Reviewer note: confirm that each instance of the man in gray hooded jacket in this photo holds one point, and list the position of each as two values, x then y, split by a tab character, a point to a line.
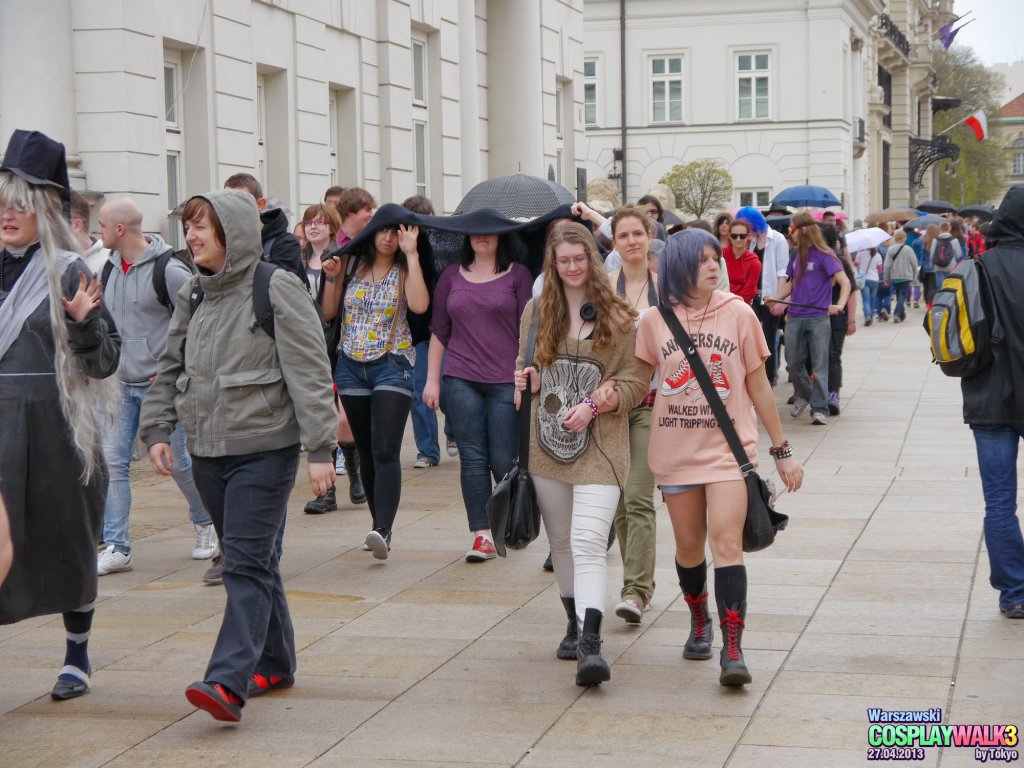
143	321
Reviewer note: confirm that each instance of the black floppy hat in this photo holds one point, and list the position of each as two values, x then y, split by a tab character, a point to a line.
37	159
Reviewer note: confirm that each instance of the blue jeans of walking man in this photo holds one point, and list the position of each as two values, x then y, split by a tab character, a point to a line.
486	426
118	440
997	446
807	339
424	420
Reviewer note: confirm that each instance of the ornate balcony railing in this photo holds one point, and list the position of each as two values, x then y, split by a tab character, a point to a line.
888	28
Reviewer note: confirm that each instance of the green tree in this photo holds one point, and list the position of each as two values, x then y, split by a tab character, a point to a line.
980	172
700	187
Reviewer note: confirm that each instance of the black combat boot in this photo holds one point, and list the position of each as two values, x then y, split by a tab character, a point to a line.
321	504
356	493
698	644
567	648
591	669
734	669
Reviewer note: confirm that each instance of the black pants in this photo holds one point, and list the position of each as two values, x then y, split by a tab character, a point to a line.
378	426
835	351
247	497
771	325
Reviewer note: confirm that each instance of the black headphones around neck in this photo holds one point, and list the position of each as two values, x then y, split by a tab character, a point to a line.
588	313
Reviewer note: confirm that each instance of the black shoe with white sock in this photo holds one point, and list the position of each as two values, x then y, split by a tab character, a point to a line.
73	678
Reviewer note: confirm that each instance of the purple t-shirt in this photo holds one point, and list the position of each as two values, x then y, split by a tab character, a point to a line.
815	286
479	323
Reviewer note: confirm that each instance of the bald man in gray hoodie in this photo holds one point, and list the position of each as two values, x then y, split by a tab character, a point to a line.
143	320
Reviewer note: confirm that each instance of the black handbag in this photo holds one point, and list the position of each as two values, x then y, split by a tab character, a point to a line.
762	521
512	509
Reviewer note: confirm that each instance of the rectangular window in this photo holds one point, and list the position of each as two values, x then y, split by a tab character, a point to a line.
173	185
420	142
885	81
332	135
667	89
590	92
171	95
759	198
752	73
419	71
1018	164
559	95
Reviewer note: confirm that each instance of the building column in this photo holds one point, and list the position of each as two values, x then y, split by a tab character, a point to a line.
469	96
39	42
515	114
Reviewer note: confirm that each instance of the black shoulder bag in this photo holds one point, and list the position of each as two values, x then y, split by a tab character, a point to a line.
763	521
512	509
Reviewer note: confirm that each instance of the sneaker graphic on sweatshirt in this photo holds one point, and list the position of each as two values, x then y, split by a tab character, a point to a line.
718	378
679	380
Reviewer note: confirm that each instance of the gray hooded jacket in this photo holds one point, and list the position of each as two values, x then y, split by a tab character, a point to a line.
235	389
140	317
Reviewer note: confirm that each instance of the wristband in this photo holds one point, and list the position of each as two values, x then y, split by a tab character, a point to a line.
329	279
592	405
783	451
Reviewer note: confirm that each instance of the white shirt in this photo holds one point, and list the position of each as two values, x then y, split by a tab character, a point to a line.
776	261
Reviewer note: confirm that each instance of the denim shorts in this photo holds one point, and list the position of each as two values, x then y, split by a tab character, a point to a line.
390	373
677	488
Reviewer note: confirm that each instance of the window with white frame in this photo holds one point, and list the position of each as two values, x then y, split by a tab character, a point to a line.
261	129
590	92
752	76
419	70
759	198
667	89
420	152
172	88
1018	164
174	140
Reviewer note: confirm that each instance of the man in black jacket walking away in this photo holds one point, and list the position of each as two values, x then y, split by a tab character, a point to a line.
994	405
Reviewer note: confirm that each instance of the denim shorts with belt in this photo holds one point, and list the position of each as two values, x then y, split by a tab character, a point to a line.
388	373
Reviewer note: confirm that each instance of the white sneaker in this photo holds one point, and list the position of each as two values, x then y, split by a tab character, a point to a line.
206	542
112	561
799	406
424	462
339	465
451	447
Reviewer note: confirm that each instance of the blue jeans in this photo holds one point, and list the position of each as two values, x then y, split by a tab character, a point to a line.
486	427
869	298
248	497
118	440
807	339
997	463
901	289
882	300
424	420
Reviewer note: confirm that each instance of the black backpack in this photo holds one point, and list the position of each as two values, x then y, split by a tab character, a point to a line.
159	276
261	305
943	252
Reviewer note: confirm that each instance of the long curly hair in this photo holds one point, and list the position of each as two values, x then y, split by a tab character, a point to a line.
85	402
613	313
808	235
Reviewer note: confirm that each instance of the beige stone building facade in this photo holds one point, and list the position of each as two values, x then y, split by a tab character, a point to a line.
165	99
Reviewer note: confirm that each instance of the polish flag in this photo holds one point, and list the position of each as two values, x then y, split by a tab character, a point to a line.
979	124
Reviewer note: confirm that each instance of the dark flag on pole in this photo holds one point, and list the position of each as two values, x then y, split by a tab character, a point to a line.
947	33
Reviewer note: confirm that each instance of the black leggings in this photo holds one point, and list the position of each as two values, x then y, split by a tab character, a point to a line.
378	426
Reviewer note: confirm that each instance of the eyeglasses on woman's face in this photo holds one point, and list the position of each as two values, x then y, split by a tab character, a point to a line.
738	235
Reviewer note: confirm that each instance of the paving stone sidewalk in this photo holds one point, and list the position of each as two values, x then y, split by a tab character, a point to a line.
876	596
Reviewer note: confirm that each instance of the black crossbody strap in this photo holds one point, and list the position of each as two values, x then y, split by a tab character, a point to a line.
710	394
524	401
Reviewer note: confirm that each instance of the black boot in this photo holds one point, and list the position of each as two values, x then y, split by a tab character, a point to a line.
734	670
356	493
698	644
321	504
591	669
567	648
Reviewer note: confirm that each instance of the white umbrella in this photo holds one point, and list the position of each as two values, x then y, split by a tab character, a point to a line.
862	239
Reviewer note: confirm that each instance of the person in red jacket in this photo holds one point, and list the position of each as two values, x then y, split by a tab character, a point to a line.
744	266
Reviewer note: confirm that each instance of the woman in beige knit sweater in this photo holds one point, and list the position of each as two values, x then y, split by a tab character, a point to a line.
586	379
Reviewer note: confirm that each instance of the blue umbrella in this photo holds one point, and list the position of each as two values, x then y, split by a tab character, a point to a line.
805	196
922	222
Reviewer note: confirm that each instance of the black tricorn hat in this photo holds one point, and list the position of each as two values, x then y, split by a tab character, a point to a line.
37	159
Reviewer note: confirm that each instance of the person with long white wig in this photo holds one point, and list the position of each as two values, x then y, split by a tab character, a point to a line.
58	348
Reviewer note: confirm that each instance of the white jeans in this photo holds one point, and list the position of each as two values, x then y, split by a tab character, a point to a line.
577	519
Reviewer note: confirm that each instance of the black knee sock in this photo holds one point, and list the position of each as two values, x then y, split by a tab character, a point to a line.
731	585
693	581
78	624
390	412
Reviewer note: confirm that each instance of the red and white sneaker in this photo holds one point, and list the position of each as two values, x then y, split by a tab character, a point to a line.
679	380
483	549
718	377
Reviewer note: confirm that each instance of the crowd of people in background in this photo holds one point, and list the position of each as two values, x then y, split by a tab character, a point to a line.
260	340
